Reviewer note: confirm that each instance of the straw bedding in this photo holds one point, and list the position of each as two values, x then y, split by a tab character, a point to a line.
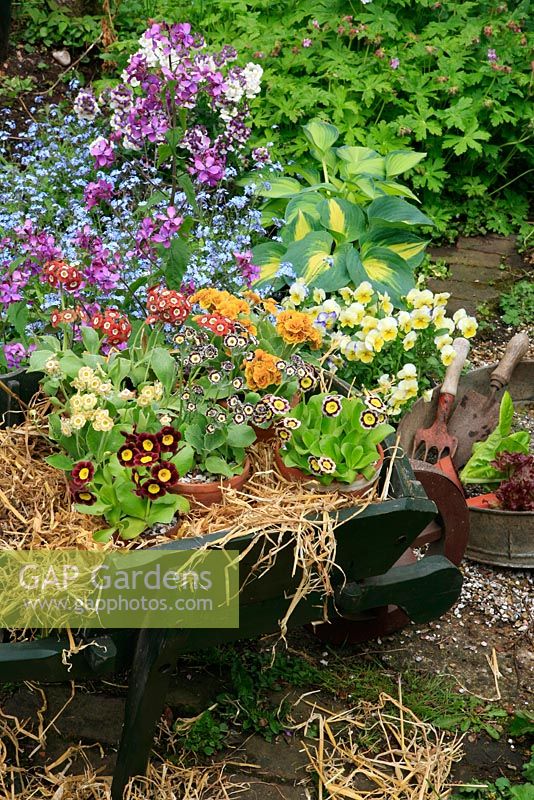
36	512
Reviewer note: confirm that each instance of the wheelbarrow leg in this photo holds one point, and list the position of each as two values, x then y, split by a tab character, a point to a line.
154	660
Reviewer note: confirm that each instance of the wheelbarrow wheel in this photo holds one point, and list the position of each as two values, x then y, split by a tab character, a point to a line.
446	535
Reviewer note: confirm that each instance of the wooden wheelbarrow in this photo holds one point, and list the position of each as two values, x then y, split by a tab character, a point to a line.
371	549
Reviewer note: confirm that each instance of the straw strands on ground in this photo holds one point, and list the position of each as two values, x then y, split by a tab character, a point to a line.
411	759
73	776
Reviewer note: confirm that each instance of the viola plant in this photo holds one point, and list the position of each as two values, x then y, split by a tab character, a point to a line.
334	438
369	343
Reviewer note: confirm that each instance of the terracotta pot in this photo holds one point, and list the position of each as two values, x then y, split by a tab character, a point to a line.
358	488
484	501
207	494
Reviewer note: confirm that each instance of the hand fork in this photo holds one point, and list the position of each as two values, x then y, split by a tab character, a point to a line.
437	436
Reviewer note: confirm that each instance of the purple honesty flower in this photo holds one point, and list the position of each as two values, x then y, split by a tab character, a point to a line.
492	55
102	150
94	192
85	105
208	167
307	42
249	270
171	225
15	353
394	63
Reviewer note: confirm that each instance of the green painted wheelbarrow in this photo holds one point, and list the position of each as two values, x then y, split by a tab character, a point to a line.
383	580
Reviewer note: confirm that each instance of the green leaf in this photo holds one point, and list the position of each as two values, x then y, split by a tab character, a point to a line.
240	435
104	534
217	466
175	260
163	366
362	161
478	469
310	256
399	161
18	315
184	459
394	209
60	461
522	723
268	257
343	218
299	227
307	202
91	340
282	186
388	272
320	134
130	528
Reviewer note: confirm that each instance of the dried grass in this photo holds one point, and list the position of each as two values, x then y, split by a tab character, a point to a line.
412	760
164	780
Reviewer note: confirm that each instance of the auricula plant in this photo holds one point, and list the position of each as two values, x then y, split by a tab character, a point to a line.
334	438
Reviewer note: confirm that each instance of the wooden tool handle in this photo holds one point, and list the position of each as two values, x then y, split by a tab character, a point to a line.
516	348
452	376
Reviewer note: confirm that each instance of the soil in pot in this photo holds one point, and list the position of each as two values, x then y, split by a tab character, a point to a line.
358	488
207	493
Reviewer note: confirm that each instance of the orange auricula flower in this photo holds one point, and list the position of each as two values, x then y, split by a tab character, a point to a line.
262	372
296	327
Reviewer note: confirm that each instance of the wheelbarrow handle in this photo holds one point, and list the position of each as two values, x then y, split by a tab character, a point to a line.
516	348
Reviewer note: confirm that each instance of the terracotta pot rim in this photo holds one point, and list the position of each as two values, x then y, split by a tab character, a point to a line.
295	475
211	485
473	506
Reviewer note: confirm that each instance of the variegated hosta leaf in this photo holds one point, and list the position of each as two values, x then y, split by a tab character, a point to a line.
344	219
394	209
311	257
388	272
273	209
320	135
401	241
396	190
268	257
337	275
281	186
300	226
399	161
306	202
362	161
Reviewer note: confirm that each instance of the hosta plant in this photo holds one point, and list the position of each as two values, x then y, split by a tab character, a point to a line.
334	438
343	222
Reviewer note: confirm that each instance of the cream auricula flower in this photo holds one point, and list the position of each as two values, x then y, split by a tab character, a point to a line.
441	299
331	306
77	421
369	324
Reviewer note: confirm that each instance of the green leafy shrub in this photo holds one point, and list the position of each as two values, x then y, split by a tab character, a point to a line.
48	23
350	195
517	305
448	78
